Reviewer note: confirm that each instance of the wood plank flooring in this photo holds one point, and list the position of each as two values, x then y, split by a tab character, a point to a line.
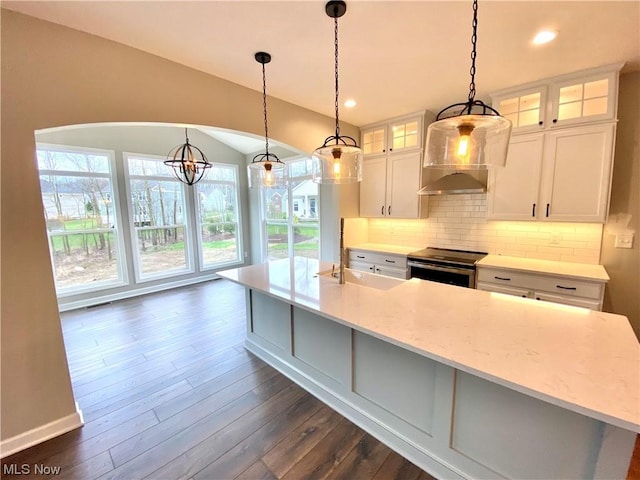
168	391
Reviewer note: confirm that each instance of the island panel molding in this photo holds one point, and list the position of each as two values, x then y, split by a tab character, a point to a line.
484	422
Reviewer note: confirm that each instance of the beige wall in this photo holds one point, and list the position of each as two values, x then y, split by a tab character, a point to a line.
623	291
55	76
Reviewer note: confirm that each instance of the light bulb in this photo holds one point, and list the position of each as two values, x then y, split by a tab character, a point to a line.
463	142
336	168
268	176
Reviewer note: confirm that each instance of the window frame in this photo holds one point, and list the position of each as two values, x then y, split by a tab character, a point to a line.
238	220
117	231
188	216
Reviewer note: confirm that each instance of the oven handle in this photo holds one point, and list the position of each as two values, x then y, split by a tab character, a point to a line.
428	266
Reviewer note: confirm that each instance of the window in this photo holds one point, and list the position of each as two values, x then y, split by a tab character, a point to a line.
85	243
299	233
218	217
159	225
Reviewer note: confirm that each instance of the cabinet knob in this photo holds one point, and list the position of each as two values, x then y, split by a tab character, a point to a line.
384	150
391	149
555	120
371	268
540	122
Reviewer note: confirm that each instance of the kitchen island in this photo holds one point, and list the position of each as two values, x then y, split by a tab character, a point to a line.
464	383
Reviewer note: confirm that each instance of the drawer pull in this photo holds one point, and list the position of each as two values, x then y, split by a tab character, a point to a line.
389	210
382	210
360	256
506	279
533	211
548	209
389	261
566	288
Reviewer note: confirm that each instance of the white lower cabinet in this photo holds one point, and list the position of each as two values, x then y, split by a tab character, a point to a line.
546	288
379	263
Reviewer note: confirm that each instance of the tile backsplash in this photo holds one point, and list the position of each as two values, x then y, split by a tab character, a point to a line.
459	221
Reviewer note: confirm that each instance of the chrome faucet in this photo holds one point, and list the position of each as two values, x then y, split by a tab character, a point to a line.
341	278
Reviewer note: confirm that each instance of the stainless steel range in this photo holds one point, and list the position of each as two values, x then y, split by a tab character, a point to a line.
455	267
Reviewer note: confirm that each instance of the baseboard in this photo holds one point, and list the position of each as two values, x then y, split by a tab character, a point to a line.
41	434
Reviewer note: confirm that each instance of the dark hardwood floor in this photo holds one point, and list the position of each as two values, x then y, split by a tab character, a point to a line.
168	391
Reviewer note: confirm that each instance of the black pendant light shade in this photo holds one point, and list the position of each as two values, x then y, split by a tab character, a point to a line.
339	158
471	134
266	170
188	162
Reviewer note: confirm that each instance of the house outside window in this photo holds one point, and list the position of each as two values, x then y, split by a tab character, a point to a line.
290	215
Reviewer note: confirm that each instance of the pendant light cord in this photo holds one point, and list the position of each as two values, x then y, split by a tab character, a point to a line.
336	59
264	106
474	39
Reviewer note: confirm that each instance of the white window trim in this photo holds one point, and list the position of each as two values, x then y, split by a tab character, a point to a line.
121	263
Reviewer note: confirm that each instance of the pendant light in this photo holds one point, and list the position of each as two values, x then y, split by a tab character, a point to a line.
339	159
266	170
471	134
188	162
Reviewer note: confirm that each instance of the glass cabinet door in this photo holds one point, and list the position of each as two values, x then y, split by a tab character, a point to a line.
374	141
585	100
524	109
405	134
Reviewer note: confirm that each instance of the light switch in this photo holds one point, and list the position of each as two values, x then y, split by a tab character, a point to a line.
624	240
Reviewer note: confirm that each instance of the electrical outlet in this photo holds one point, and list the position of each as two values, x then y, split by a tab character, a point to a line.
554	239
624	240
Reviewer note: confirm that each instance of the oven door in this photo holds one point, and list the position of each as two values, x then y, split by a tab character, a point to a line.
461	276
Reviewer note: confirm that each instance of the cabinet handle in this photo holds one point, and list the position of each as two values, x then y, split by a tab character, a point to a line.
391	149
360	256
384	150
537	298
506	279
382	210
389	210
566	288
533	211
371	268
540	122
389	261
555	120
377	270
547	210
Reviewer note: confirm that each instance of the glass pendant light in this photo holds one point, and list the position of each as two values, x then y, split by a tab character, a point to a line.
266	170
188	162
339	159
468	135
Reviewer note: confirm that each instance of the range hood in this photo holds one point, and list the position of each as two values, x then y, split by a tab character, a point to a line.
455	183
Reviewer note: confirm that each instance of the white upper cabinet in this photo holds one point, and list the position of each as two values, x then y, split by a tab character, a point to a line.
562	173
577	98
398	135
513	190
392	170
577	173
558	176
389	187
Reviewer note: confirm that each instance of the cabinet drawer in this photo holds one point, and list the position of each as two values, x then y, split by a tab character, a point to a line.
398	261
492	287
361	266
533	281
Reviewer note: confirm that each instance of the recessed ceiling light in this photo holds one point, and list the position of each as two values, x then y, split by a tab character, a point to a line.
544	36
350	103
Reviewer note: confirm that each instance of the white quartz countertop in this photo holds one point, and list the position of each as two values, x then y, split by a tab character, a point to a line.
384	248
579	359
565	269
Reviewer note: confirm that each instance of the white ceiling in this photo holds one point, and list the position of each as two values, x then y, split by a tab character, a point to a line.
396	57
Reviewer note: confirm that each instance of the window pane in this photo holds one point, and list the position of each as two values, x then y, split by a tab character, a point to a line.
84	259
218	216
306	236
77	196
158	214
72	161
161	250
277	240
276	204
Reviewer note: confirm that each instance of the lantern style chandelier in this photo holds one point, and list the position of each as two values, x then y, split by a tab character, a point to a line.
468	135
188	162
266	170
339	159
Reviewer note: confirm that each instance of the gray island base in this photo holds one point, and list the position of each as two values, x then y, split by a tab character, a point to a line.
445	418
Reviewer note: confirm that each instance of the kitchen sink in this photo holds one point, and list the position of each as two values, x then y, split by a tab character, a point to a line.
379	282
